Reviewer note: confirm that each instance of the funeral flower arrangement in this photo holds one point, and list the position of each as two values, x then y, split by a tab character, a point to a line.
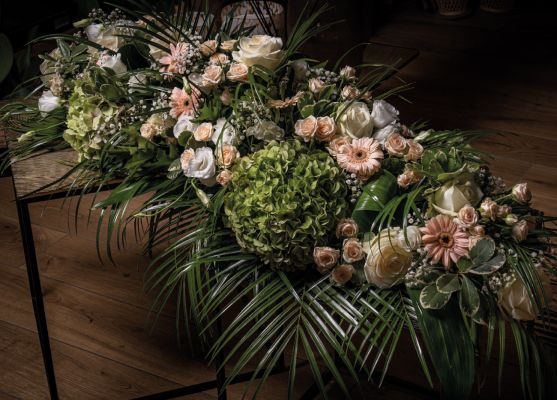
289	193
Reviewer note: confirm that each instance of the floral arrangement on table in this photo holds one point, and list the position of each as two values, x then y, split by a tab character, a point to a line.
288	190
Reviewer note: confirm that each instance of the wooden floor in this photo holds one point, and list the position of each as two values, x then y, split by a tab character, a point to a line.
489	72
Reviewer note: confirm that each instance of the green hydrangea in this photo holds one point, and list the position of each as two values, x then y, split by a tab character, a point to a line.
86	114
283	201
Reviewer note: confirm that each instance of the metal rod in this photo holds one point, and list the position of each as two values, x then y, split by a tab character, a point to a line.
36	293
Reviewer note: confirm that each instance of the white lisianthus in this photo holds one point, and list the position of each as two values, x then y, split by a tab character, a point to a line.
105	36
382	134
224	133
383	113
201	164
266	131
48	102
355	120
388	259
259	50
184	123
457	193
113	62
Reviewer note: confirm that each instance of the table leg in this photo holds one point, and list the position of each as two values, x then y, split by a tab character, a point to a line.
36	293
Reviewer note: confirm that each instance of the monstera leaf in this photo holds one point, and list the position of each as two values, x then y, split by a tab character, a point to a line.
375	195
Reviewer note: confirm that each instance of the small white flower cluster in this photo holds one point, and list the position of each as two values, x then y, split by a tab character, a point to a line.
354	186
499	280
248	114
420	274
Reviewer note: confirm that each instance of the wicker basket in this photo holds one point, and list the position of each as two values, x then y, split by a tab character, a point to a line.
497	6
453	8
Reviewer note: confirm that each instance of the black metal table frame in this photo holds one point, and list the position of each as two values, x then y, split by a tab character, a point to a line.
42	329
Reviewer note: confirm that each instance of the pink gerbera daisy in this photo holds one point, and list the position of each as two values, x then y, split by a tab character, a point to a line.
176	60
183	103
361	157
443	240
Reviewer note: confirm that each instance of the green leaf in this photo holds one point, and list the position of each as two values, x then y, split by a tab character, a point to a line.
464	264
490	266
450	347
6	56
482	251
432	298
373	199
448	283
469	299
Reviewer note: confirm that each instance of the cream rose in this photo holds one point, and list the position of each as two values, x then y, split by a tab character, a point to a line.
349	93
148	131
228	45
355	120
306	128
515	301
520	231
504	210
212	76
342	274
478	230
352	250
226	97
467	217
333	147
259	50
388	260
489	209
455	194
204	132
185	159
414	152
396	145
208	48
348	72
316	85
106	37
238	72
347	227
408	178
383	113
226	155
521	193
326	129
224	177
48	102
219	59
325	258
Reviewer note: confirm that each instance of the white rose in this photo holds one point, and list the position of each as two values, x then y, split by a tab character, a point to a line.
113	62
259	50
266	131
202	164
93	31
184	123
355	120
48	102
388	259
225	133
382	134
457	193
383	113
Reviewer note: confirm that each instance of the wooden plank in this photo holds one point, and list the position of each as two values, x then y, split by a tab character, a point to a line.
101	326
81	375
31	174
